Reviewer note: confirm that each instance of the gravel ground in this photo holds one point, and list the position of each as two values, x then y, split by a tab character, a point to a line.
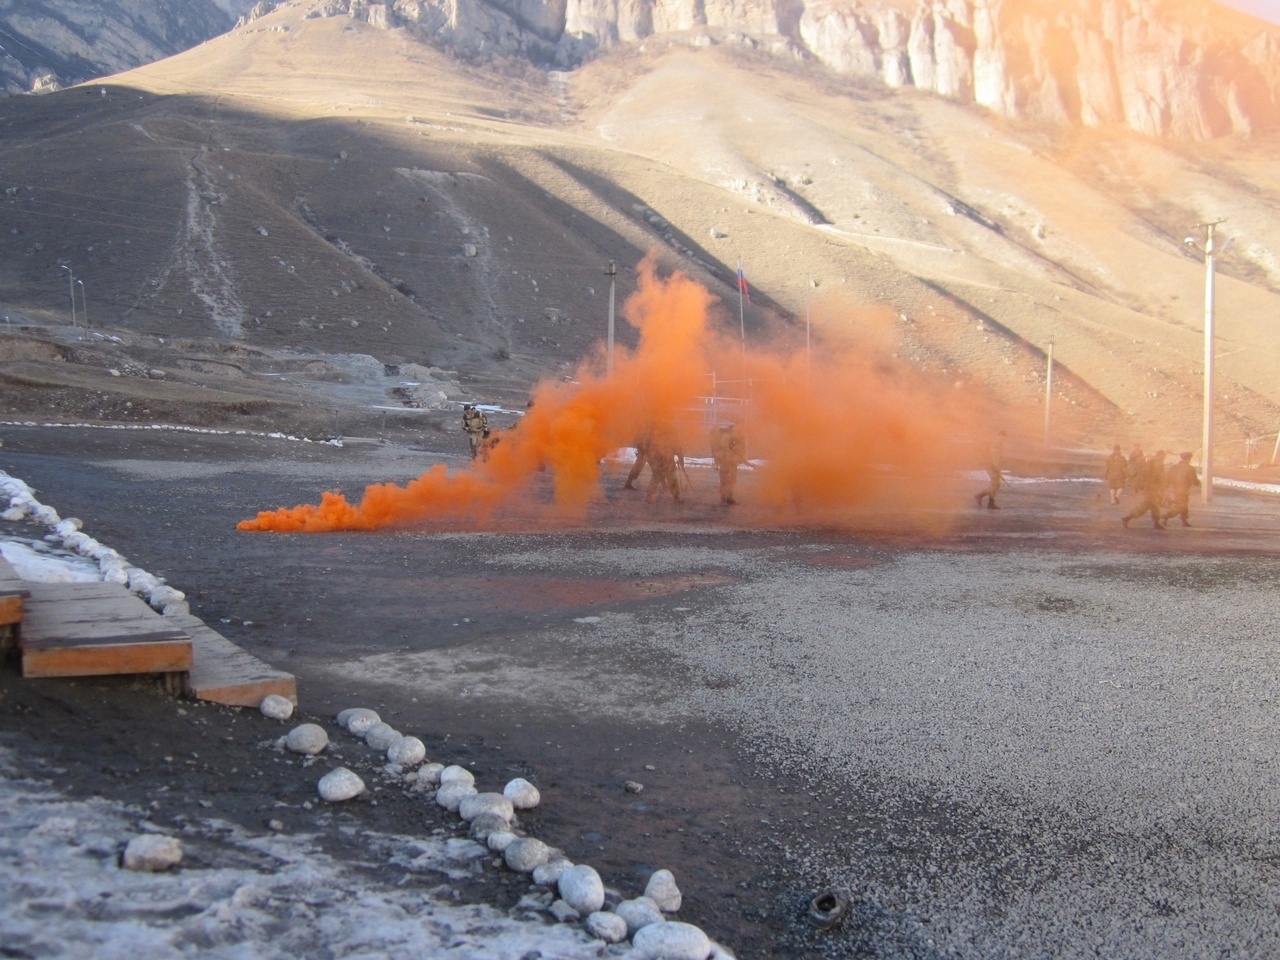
1038	735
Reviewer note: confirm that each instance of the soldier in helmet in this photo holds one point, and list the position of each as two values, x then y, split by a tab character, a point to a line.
476	425
642	457
1114	473
664	455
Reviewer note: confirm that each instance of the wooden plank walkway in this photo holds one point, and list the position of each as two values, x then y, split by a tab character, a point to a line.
93	629
222	672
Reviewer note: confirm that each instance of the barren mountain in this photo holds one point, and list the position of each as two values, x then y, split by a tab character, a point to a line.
331	179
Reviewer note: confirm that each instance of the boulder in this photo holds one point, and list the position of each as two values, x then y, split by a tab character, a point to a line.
308	738
581	887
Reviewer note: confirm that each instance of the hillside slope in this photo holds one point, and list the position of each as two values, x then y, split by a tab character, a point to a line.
320	183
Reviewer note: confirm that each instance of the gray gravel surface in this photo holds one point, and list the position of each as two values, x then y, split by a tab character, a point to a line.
1038	735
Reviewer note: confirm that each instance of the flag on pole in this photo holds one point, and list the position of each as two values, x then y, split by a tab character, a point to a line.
742	282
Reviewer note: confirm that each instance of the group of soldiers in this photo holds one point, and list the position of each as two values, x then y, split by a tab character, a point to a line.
659	449
1163	492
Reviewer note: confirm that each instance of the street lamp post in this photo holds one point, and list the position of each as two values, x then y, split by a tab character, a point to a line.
71	284
612	274
1206	441
84	304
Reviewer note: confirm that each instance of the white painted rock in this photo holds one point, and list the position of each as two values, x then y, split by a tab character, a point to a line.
457	774
607	926
276	707
307	738
638	913
407	751
499	840
581	888
525	854
451	794
662	890
720	952
670	940
345	715
340	784
487	823
522	794
152	853
430	773
361	719
471	807
381	735
548	874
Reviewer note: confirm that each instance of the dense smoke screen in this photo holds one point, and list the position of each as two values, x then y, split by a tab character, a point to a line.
836	434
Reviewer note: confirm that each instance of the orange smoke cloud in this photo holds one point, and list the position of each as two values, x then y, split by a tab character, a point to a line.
847	429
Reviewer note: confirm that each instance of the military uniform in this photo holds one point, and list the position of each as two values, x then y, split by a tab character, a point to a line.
1115	472
995	473
476	425
642	457
728	451
1181	478
1152	492
663	455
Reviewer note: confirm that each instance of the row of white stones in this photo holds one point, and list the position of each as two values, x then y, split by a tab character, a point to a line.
492	819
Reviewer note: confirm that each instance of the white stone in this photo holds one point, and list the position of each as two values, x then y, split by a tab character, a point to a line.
720	952
276	707
307	738
340	784
152	853
670	940
548	874
457	774
499	840
581	887
486	824
450	795
361	719
344	715
381	736
430	773
525	854
522	794
662	890
638	914
407	751
471	807
607	926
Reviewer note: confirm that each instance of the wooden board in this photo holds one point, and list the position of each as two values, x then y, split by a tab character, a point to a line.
222	672
13	593
93	629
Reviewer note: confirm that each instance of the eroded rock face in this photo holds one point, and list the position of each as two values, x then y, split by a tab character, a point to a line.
1092	62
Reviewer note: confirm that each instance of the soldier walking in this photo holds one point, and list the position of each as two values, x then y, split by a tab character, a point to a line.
664	455
1181	480
476	425
995	473
728	451
643	442
1152	492
1114	473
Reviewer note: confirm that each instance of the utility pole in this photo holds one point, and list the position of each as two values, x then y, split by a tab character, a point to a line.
71	282
1206	441
1048	391
612	274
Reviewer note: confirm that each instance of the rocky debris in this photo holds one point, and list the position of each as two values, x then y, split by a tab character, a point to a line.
339	785
152	853
276	707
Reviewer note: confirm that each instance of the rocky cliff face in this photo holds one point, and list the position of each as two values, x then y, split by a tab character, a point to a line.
48	44
1177	68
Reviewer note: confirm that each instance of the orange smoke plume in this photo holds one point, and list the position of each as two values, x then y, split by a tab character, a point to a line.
846	430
